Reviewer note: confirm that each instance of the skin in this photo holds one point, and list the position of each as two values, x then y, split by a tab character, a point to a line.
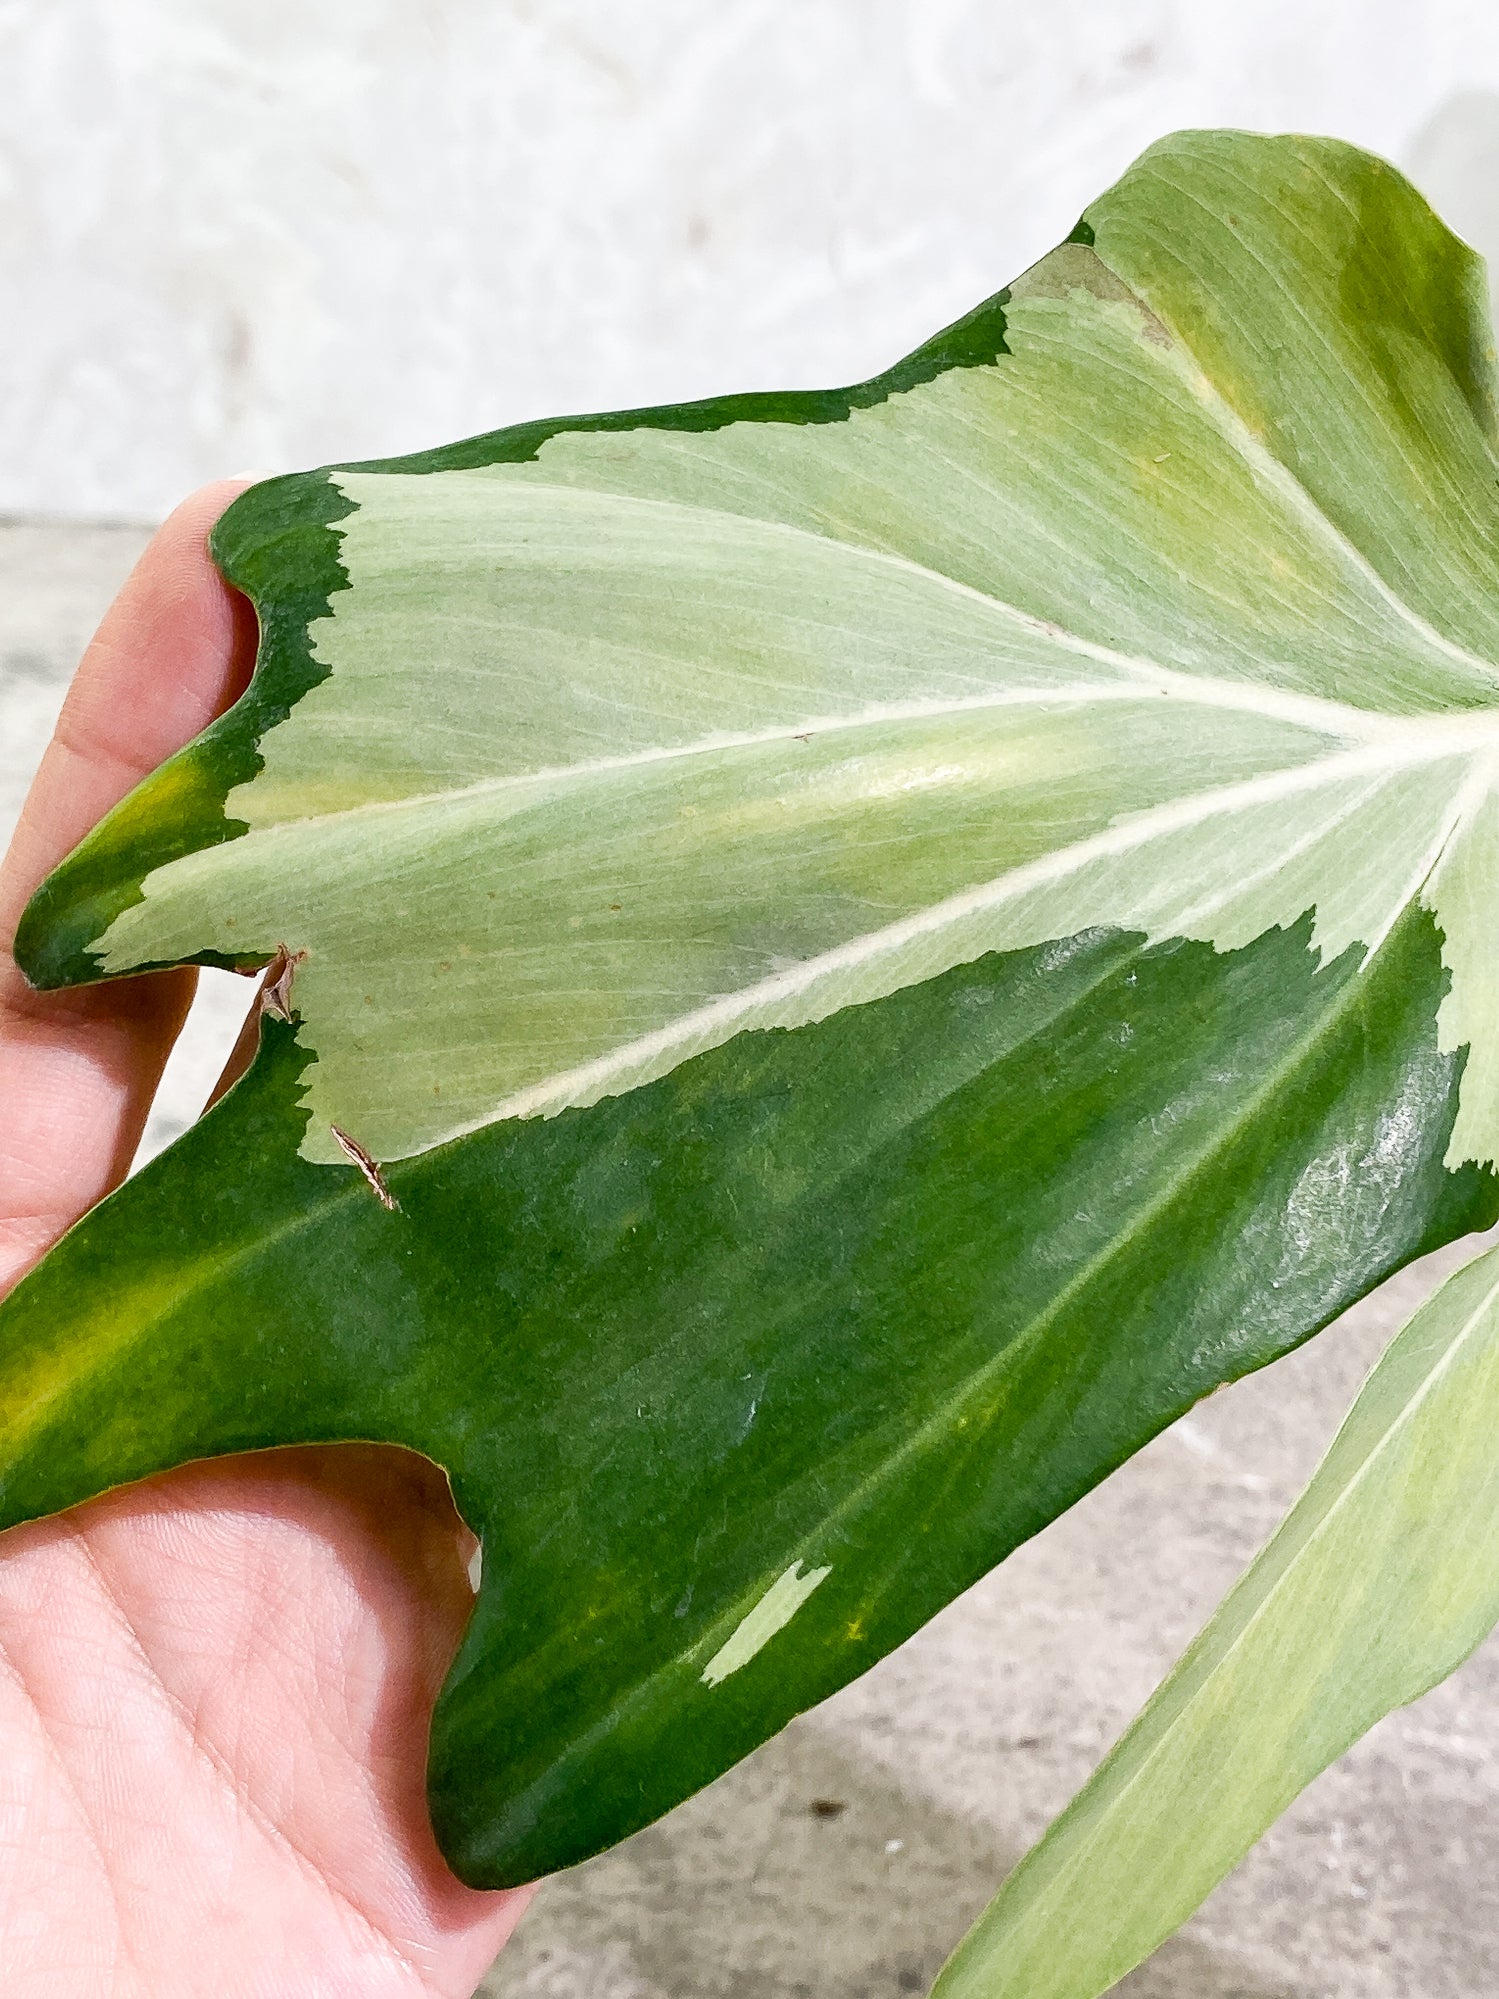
216	1686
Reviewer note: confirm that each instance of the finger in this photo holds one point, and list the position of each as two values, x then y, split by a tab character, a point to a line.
78	1069
173	651
76	1079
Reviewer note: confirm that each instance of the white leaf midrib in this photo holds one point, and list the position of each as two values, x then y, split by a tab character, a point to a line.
1414	735
1247	696
711	1024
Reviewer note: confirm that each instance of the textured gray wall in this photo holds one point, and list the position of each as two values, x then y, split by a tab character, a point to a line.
236	237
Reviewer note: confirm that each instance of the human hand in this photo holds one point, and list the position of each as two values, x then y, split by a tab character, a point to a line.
215	1687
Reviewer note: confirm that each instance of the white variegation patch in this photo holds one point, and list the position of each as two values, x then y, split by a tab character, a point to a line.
666	734
771	1614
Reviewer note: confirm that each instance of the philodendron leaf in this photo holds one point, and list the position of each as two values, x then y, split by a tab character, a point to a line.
887	941
1380	1582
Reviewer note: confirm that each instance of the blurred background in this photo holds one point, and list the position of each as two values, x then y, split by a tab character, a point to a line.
253	238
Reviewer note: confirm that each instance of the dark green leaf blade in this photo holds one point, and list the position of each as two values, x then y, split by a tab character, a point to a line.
741	1377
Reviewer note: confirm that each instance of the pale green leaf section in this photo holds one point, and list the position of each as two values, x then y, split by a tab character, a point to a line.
1381	1581
771	1614
667	734
1375	385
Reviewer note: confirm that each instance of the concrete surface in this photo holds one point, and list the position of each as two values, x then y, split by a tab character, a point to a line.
278	234
845	1858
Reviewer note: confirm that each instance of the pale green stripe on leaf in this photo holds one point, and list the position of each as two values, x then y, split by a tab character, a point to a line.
1380	1582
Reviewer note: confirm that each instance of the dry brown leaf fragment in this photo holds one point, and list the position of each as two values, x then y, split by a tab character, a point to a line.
275	992
354	1151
